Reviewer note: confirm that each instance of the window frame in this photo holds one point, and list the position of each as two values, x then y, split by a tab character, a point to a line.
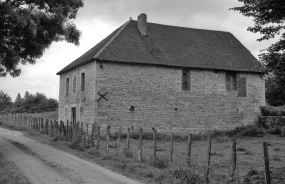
231	81
82	81
67	86
74	84
186	82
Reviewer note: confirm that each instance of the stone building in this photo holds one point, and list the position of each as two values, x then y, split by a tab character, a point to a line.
172	78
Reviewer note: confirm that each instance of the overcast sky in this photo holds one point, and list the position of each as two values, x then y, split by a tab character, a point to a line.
98	18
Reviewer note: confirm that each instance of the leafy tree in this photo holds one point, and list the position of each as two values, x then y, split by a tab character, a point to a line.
5	101
28	27
34	103
269	19
275	93
18	101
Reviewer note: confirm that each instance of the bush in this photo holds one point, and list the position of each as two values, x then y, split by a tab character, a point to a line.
275	130
0	123
272	111
76	144
162	162
128	153
248	130
188	174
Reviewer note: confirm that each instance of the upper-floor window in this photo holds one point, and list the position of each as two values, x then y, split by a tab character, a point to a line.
67	86
82	81
186	80
242	87
231	81
74	84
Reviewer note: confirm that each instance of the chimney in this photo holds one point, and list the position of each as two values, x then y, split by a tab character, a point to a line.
142	23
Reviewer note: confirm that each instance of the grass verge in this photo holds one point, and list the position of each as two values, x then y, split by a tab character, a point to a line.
9	173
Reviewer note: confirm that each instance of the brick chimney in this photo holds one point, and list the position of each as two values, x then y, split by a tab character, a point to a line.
142	23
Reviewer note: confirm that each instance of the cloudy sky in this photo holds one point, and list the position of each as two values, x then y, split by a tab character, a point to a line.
98	18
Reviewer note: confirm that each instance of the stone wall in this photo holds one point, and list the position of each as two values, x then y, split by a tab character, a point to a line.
151	96
84	101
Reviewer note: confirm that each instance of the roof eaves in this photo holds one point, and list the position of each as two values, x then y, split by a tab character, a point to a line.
112	39
80	64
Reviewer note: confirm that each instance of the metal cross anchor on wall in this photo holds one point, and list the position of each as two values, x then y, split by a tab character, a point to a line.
102	96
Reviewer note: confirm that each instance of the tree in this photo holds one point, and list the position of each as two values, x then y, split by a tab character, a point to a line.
5	101
28	27
269	19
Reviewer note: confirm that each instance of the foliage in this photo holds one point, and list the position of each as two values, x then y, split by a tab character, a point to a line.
128	153
162	161
247	131
191	173
269	18
275	93
34	103
272	111
5	101
28	27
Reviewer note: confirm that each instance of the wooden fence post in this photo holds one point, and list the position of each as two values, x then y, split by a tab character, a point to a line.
171	150
154	146
189	145
119	140
133	132
47	127
87	127
208	157
68	131
107	138
81	128
233	161
140	144
128	139
92	135
98	138
266	163
51	128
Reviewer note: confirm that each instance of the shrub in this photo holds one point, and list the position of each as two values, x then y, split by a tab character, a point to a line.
0	123
272	111
162	162
275	130
76	144
248	130
251	131
128	153
188	174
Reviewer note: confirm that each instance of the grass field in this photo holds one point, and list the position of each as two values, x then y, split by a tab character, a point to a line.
249	157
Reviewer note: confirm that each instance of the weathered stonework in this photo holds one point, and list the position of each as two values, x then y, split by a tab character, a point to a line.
80	99
156	94
151	96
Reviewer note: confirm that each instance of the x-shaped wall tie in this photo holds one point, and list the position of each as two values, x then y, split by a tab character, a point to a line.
102	96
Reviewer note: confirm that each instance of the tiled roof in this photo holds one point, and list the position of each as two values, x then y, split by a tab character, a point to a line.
172	46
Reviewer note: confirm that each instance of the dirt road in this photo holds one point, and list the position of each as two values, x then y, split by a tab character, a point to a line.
43	164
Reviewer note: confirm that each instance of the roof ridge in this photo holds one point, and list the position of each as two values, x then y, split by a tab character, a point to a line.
184	27
112	39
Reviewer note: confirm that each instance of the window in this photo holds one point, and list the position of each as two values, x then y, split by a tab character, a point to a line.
242	87
74	84
81	111
82	81
231	81
185	80
67	86
66	112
